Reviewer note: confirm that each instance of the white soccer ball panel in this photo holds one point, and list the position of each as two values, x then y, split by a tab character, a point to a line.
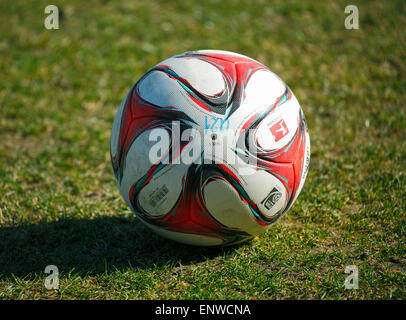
137	163
262	91
161	90
228	208
160	195
115	132
267	192
279	127
202	76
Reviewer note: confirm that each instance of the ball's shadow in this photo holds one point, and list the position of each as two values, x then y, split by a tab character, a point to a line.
92	246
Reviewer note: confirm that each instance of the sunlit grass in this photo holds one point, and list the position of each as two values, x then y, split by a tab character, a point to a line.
60	90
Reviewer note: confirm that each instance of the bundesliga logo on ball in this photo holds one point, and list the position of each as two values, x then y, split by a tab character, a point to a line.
210	148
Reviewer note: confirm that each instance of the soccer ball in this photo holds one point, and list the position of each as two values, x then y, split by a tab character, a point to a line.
210	148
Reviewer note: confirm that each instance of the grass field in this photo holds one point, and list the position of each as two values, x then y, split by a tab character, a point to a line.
60	90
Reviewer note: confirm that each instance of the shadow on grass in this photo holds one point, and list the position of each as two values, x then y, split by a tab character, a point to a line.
84	246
